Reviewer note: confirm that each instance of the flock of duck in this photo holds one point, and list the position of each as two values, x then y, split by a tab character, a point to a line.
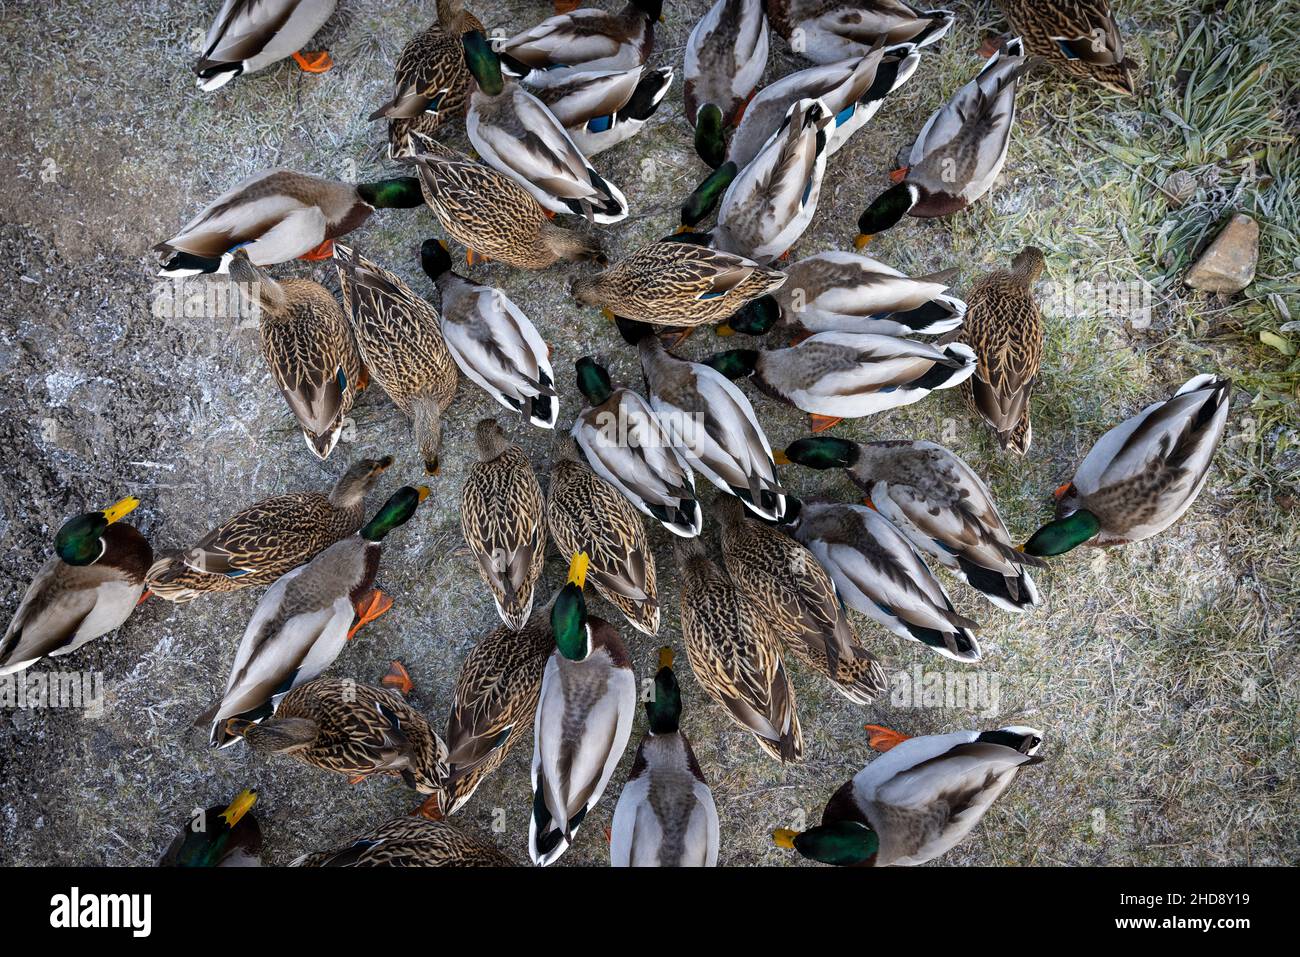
861	338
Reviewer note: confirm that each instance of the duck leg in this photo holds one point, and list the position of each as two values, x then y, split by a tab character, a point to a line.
398	679
324	251
820	423
314	61
429	809
369	607
882	738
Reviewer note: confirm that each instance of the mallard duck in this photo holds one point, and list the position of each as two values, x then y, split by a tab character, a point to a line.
797	597
516	134
303	621
279	215
493	216
257	545
410	842
772	200
825	31
583	721
1004	325
665	816
219	836
494	343
583	40
734	655
90	586
918	801
960	151
673	283
602	108
877	572
726	55
431	81
628	447
844	375
1142	475
309	349
587	514
940	504
844	292
853	90
401	343
710	422
1080	36
341	725
503	519
493	706
249	35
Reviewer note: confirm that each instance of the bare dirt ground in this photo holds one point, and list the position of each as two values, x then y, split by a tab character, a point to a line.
1163	675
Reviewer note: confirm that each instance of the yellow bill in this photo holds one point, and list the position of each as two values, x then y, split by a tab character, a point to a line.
121	509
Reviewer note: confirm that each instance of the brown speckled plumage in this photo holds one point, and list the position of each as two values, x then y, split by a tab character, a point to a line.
586	514
337	724
677	283
503	519
411	842
1086	27
494	704
493	216
798	599
1004	325
734	655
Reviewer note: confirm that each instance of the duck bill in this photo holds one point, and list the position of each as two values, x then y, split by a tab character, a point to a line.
422	492
119	510
784	837
862	241
240	806
578	569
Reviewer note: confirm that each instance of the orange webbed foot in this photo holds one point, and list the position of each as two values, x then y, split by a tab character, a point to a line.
883	739
429	809
674	338
898	175
369	607
472	257
314	61
398	679
144	597
324	251
820	423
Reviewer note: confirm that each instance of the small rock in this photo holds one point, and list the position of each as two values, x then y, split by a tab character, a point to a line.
1228	265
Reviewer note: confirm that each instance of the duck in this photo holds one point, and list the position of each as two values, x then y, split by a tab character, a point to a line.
583	40
503	519
601	108
309	348
852	89
493	342
1078	36
826	31
587	514
878	573
938	502
837	291
583	721
224	835
492	215
492	707
794	593
249	35
516	134
431	82
960	151
710	422
665	815
344	726
88	588
1004	325
845	375
258	544
1143	475
917	801
734	654
303	621
278	215
770	203
410	842
400	340
628	447
676	283
726	56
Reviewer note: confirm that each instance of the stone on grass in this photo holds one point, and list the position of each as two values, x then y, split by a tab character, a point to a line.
1228	265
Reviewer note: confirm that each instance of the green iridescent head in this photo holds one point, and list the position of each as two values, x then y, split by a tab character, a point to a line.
1064	534
823	452
593	380
664	710
569	613
843	844
396	511
79	542
483	63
